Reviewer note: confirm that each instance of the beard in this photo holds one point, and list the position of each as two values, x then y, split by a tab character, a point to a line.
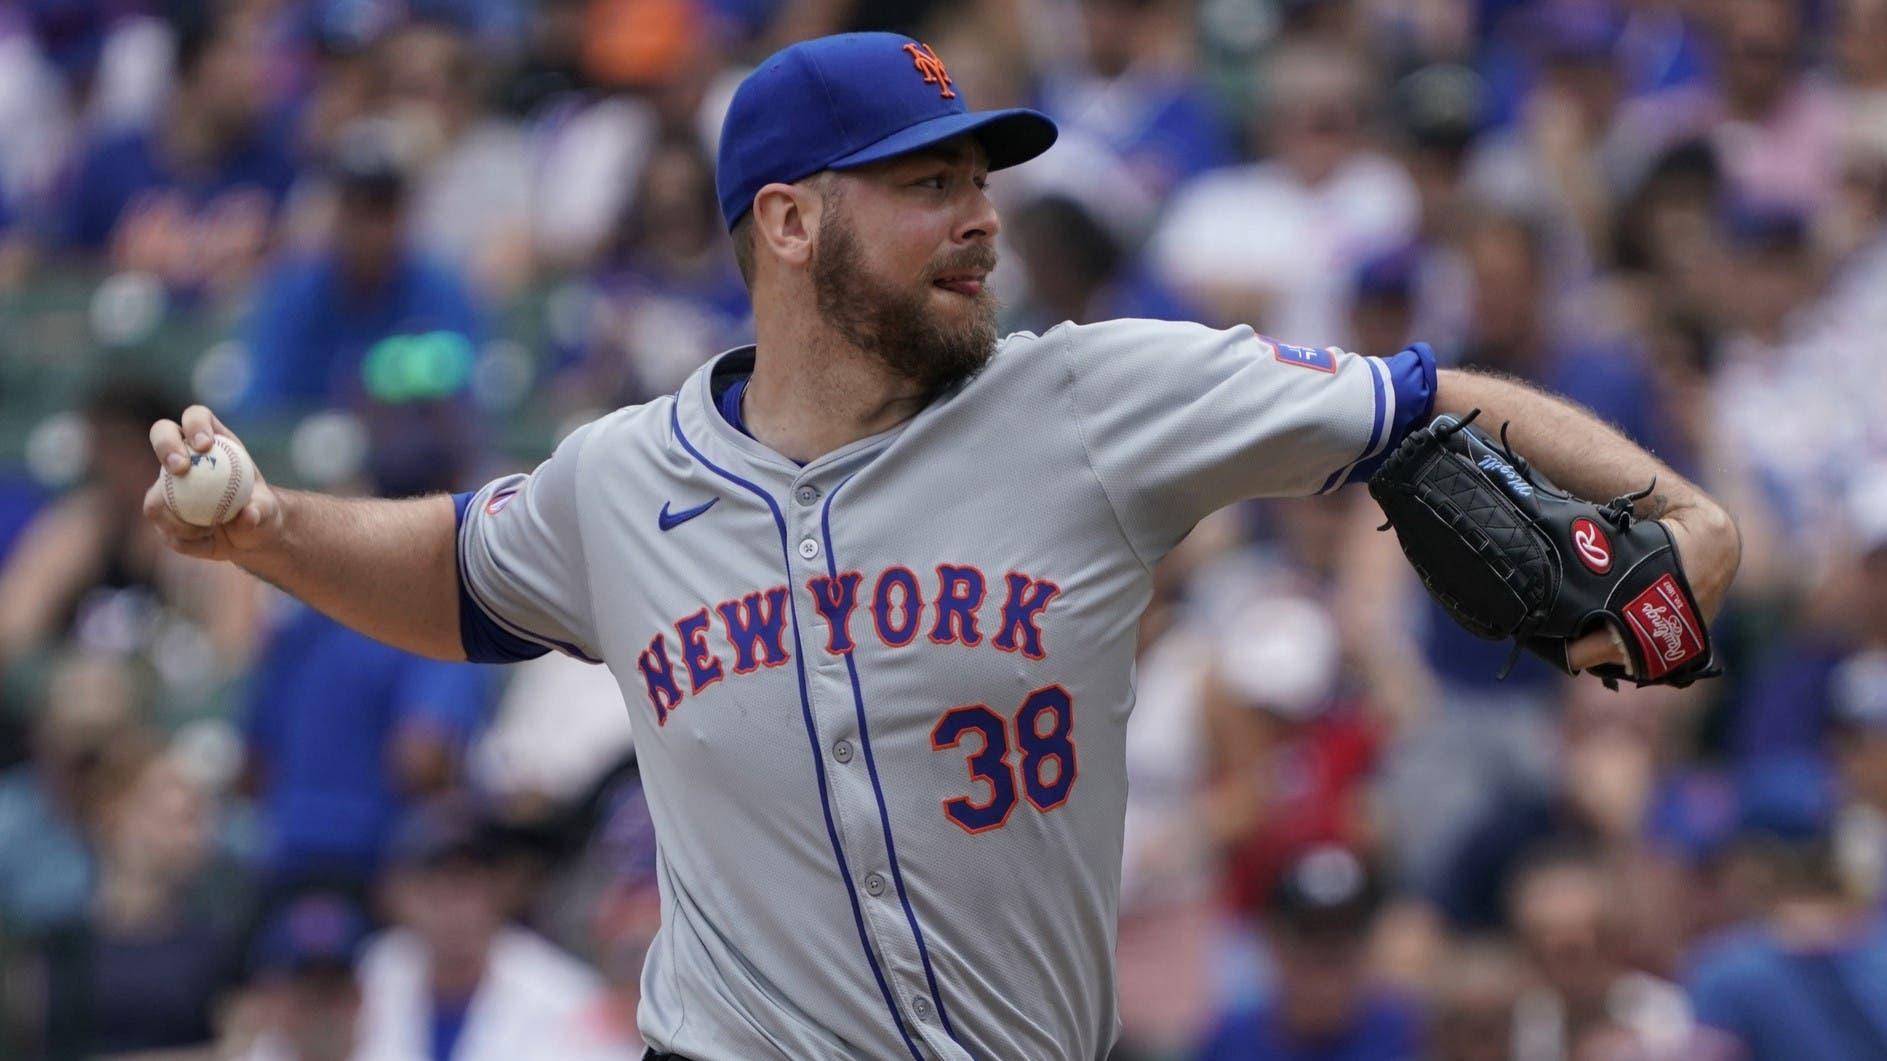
898	326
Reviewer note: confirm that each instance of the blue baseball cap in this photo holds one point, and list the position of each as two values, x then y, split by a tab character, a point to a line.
848	100
312	932
1789	796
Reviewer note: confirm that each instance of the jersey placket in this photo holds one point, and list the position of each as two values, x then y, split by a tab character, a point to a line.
839	713
800	558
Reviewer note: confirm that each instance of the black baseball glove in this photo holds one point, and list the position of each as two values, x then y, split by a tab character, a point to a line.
1508	554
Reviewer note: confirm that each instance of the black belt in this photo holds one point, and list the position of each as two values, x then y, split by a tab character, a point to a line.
652	1054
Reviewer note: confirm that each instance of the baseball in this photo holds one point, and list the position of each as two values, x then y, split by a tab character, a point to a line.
216	487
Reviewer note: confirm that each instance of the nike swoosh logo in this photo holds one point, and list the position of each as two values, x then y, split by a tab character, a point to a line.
671	520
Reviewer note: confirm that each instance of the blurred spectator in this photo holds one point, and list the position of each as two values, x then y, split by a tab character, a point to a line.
1170	915
1588	1002
1680	352
645	43
1826	342
67	68
345	733
1662	45
35	104
1382	306
1857	733
606	907
1472	1015
666	295
605	84
1857	38
144	969
1800	984
1599	801
1650	44
1716	887
1779	376
1776	274
1853	219
340	90
89	569
452	980
1133	92
1275	244
194	198
559	727
551	69
1668	244
1323	1005
1512	329
1439	110
302	963
1776	127
342	733
1781	707
590	143
1078	269
1327	549
46	870
326	326
1859	741
1288	757
471	204
1557	161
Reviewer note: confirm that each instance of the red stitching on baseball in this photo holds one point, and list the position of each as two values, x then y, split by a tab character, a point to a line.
235	477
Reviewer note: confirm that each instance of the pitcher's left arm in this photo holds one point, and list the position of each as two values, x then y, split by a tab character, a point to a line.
1590	459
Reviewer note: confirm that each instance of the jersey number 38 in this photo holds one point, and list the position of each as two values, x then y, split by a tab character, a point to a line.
1044	730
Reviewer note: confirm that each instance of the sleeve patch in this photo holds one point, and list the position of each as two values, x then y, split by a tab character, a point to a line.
1324	360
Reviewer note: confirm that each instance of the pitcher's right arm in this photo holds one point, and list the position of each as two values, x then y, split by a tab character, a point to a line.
385	568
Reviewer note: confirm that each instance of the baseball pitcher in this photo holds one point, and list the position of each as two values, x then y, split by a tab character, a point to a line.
870	586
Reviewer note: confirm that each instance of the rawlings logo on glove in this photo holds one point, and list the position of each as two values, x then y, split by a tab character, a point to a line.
1666	626
1508	554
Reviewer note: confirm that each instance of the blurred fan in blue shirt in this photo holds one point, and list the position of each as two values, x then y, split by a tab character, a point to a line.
193	199
367	318
1322	1007
344	733
1805	982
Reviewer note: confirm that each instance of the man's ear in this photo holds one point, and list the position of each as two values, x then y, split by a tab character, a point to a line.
786	221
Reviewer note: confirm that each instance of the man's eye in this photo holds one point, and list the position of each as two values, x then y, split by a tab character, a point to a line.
982	183
935	181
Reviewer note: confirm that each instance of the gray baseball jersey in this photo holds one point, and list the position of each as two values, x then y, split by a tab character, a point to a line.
879	700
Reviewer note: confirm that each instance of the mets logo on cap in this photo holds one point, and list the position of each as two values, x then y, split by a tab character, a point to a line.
932	68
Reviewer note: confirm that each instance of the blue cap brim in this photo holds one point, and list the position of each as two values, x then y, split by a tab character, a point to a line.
1011	136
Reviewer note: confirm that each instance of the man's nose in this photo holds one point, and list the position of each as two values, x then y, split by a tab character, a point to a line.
981	220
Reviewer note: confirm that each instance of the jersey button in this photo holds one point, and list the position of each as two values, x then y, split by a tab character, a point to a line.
921	1006
874	884
808	549
807	494
842	751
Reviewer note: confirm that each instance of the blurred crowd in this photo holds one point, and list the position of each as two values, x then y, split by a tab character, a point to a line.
1347	839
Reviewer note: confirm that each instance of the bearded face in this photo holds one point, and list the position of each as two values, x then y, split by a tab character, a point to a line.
934	337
